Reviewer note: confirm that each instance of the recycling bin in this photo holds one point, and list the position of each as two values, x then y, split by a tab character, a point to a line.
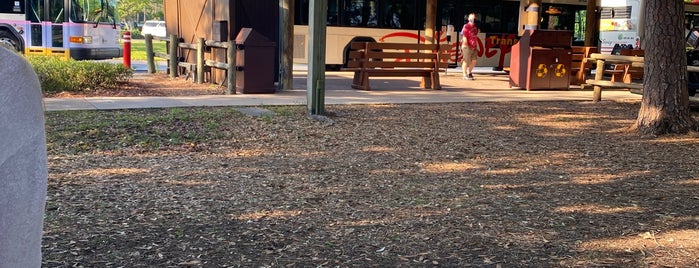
254	63
542	60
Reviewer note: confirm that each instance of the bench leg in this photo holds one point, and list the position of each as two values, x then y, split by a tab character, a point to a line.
435	81
426	82
365	81
356	80
361	80
597	94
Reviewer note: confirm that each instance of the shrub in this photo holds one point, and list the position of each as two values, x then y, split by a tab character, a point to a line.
135	34
58	74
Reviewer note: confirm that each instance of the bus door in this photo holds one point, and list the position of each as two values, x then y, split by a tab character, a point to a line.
46	22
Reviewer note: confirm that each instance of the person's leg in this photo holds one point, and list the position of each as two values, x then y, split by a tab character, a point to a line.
471	57
464	62
470	69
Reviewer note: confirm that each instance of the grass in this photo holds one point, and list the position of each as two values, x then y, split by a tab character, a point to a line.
138	48
86	131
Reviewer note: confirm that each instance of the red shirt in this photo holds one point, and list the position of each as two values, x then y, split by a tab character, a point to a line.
470	33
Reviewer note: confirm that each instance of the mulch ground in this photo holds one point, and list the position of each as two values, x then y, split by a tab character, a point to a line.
513	184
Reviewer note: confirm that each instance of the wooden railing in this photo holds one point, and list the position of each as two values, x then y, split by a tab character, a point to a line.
201	64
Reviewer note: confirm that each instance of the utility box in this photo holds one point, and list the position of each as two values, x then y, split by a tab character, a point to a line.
254	63
542	60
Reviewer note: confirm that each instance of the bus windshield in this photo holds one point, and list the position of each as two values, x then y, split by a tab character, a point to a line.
95	11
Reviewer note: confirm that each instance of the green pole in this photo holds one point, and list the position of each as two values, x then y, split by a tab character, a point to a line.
316	52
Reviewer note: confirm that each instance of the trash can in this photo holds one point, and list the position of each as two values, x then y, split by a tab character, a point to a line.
542	60
254	63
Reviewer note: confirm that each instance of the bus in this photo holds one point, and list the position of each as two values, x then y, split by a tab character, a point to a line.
404	21
78	29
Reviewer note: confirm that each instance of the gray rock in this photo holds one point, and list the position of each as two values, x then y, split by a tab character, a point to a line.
255	111
23	163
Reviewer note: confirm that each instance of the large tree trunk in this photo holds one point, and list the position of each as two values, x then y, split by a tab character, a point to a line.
665	104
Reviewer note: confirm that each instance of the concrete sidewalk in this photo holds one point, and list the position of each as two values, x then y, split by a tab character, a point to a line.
489	86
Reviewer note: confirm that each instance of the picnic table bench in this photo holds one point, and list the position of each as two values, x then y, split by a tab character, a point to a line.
580	66
599	82
372	59
632	67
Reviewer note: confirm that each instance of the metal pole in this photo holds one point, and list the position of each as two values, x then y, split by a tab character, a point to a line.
127	49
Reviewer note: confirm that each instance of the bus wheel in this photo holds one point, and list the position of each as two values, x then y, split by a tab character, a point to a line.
8	41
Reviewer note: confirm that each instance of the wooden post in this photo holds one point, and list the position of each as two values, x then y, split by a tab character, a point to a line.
590	23
150	56
599	72
200	60
230	75
316	55
430	18
173	56
286	46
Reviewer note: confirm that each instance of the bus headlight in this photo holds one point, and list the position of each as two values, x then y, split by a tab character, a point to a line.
81	39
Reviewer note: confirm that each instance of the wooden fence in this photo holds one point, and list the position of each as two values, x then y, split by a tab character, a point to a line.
201	65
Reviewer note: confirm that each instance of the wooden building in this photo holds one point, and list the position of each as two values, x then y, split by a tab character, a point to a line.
220	20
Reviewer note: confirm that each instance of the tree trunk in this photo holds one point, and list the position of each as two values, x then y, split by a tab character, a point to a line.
665	103
591	24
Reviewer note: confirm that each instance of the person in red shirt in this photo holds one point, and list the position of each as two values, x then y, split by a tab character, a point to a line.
469	47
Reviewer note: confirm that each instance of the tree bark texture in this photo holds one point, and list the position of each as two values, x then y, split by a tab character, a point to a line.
665	103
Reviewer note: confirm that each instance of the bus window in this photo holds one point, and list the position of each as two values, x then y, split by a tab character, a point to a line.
333	13
301	16
361	13
36	10
494	16
56	11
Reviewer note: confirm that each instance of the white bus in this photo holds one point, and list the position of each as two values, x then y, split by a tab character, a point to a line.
404	21
78	29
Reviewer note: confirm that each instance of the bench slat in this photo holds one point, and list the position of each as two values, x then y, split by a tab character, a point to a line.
398	46
610	84
399	64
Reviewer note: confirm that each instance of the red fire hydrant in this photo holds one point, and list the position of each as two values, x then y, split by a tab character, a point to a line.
127	49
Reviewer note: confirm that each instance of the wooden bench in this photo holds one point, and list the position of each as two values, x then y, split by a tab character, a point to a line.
371	59
580	66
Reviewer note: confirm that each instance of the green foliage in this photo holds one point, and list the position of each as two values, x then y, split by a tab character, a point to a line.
135	34
58	74
134	10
